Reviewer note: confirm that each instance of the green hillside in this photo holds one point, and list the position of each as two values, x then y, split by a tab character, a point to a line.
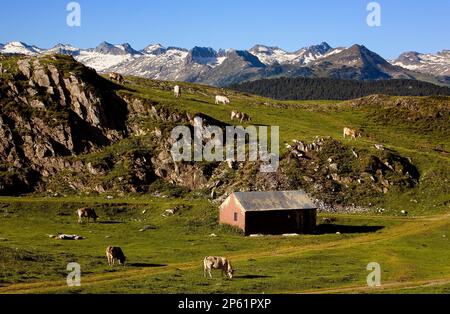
120	170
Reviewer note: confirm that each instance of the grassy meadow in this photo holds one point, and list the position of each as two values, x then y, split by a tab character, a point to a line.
165	253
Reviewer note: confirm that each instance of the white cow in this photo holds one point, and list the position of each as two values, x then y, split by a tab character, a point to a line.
217	262
352	133
177	91
222	100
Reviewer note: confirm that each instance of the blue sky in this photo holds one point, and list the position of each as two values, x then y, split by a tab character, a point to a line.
422	26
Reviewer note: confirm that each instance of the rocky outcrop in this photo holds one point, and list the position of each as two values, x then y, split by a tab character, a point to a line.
48	113
339	174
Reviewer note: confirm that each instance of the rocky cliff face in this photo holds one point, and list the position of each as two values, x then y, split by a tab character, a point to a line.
64	128
49	111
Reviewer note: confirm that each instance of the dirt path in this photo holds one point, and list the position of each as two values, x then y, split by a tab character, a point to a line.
385	287
413	226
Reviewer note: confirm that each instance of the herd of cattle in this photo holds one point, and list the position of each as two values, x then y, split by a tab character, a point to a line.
240	116
114	253
219	99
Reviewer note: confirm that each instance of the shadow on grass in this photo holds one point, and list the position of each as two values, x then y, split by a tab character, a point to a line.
251	276
145	265
110	222
201	101
331	228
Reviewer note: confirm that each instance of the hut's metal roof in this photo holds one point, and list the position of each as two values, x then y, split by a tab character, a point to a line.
274	200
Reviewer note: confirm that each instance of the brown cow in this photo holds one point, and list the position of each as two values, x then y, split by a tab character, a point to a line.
114	253
216	262
86	212
116	77
240	116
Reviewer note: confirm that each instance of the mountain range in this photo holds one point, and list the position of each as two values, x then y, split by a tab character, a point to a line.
225	67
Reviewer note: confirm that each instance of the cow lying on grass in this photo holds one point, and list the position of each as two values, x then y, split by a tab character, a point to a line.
216	262
62	236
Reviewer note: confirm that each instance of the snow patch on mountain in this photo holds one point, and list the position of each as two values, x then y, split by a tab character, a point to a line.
102	61
20	48
154	49
206	65
274	55
158	66
435	64
63	49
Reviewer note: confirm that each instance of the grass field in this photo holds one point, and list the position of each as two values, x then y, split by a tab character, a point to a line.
167	256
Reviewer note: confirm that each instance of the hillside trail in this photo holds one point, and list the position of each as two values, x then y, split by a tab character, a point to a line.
385	287
408	228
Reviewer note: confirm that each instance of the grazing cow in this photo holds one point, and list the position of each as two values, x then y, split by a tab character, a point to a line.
222	100
177	91
215	262
245	117
352	133
240	116
114	253
86	212
116	77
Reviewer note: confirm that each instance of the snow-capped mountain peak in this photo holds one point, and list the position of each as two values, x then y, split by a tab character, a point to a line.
319	49
275	55
434	64
271	55
202	55
121	49
20	48
126	47
264	49
222	67
64	49
312	53
154	49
